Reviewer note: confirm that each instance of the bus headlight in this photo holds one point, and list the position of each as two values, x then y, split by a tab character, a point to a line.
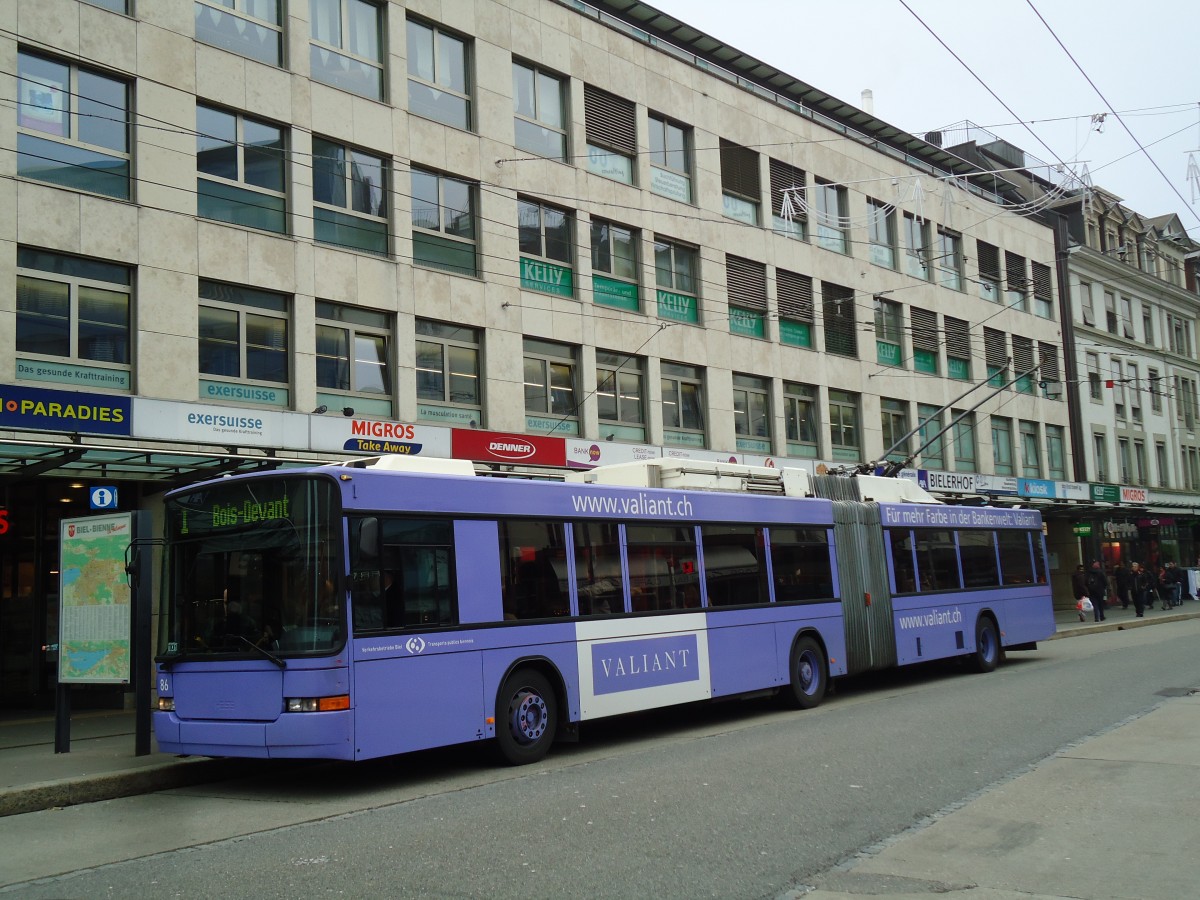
317	704
166	704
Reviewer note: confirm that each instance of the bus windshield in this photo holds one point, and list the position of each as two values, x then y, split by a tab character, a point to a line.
253	570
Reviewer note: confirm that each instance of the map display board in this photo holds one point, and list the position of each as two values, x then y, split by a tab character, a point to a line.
95	624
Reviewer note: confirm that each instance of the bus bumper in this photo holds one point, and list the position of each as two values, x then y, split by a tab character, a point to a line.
316	735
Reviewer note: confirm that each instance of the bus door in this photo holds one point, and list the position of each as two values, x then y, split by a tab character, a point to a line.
866	598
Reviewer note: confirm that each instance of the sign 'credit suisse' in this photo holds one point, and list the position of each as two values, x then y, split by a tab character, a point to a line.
498	447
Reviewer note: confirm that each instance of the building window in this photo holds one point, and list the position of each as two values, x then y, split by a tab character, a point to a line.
1043	291
965	458
832	217
677	281
752	413
682	404
117	6
894	421
544	239
346	50
1112	321
844	432
72	126
889	324
916	246
989	271
1085	304
550	388
797	314
1031	457
1100	456
925	343
75	312
439	75
670	159
741	187
949	260
1024	364
350	197
1126	317
620	393
1093	377
1017	296
1153	381
995	350
610	126
932	448
789	210
1147	324
243	344
837	306
250	28
881	230
448	374
1139	463
1160	461
958	348
615	266
240	170
746	282
353	367
1056	453
1126	462
443	220
1134	377
1002	448
539	112
800	418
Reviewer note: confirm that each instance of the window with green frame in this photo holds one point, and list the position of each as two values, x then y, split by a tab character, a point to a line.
965	457
1002	447
443	223
615	266
677	281
353	367
801	417
797	314
250	28
893	419
75	312
889	327
929	423
72	126
240	170
844	431
349	197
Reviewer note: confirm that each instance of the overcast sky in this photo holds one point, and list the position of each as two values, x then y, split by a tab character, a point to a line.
1142	55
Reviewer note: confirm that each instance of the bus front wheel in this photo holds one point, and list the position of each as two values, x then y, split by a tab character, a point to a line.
526	717
987	645
809	675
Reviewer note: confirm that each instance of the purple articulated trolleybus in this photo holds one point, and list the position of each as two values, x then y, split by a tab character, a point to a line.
384	606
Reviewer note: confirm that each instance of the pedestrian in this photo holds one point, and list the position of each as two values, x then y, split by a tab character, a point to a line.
1124	581
1097	590
1079	582
1163	583
1175	576
1141	589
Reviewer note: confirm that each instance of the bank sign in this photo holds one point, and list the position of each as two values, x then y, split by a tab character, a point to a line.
66	411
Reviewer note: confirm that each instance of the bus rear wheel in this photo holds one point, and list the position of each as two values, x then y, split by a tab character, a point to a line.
526	717
809	675
987	645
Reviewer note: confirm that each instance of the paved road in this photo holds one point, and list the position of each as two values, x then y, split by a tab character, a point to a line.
733	800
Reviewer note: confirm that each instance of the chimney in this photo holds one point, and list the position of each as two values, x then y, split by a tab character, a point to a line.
868	101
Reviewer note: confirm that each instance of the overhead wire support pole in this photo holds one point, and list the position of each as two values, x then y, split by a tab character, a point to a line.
891	469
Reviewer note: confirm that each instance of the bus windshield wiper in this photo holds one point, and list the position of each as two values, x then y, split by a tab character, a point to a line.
261	650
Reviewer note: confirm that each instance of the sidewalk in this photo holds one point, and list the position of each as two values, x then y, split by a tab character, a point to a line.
101	764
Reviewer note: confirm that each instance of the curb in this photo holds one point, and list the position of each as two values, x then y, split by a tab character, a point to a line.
92	788
1123	625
